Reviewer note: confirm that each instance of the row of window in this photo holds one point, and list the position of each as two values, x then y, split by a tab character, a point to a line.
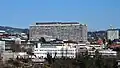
57	56
54	50
57	53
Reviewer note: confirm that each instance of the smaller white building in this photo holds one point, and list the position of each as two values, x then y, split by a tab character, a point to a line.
60	50
113	34
108	52
2	46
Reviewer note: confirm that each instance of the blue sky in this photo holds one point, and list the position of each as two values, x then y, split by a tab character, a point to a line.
97	14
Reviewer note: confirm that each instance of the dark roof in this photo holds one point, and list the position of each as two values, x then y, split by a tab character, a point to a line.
69	41
116	40
57	23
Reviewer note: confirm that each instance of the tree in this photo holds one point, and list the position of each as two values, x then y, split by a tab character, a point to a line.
23	49
16	48
42	39
54	57
115	65
49	58
104	41
30	52
55	54
109	42
66	52
98	60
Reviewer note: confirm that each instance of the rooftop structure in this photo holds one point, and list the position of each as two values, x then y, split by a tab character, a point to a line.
38	23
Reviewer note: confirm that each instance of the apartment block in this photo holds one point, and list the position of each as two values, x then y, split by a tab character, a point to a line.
61	30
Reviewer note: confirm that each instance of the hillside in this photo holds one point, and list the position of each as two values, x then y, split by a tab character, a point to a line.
13	30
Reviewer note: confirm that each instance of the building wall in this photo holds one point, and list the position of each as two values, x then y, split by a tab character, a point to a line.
68	31
9	44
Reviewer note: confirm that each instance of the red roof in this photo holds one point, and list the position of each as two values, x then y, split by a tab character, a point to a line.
100	42
115	45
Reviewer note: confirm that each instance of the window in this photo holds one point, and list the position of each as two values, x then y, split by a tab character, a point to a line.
36	45
36	50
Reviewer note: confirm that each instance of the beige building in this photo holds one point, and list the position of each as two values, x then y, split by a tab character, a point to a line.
113	34
61	30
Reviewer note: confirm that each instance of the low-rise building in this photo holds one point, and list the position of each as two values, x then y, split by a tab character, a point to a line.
15	44
60	50
2	46
104	53
2	32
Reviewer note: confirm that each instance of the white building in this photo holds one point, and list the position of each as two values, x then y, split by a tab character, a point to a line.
2	32
113	34
2	46
66	51
107	52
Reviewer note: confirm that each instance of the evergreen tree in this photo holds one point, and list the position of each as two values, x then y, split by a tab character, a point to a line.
42	40
49	58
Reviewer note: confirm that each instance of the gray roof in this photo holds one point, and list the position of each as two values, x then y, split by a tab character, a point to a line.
57	23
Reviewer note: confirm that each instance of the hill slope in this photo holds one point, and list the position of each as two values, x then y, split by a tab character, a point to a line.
12	29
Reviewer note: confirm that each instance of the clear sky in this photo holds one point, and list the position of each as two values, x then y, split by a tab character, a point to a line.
97	14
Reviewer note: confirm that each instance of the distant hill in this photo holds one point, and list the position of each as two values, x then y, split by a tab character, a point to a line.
97	34
14	30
